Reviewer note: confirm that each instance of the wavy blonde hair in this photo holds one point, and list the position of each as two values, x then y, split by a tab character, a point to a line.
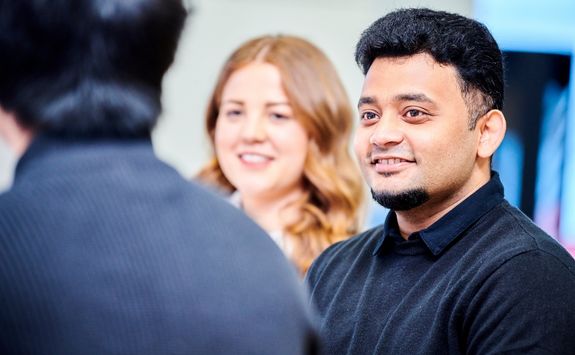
334	195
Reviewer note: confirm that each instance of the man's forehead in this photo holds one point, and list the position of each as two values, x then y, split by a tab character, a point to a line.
415	78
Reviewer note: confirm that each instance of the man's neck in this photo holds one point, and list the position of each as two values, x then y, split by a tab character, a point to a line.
422	217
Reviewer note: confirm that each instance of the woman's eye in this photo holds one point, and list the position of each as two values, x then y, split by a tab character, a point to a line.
279	116
233	113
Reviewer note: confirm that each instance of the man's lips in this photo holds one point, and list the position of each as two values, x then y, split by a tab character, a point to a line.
389	161
390	164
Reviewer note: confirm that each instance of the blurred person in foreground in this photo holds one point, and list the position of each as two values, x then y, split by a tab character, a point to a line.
105	249
279	122
454	269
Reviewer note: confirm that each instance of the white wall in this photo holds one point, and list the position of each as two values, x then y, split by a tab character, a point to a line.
219	26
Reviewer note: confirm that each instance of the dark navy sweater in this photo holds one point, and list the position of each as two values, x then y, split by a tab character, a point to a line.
481	280
104	249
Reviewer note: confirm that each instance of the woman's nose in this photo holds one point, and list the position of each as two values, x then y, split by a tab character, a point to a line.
254	129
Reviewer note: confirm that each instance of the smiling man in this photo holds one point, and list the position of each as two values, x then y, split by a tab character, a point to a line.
454	268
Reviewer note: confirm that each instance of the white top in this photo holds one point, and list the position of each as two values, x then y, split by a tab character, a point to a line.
277	235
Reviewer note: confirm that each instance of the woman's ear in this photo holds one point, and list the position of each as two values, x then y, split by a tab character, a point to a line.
492	127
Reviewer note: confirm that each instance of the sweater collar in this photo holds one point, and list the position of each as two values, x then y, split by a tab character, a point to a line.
445	231
48	152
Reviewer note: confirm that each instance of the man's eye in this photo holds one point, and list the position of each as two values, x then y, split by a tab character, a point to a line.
413	113
368	116
415	116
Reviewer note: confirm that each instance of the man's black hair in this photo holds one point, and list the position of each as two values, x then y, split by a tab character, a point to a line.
450	39
87	67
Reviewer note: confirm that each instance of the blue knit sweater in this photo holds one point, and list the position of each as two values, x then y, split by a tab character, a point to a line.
106	250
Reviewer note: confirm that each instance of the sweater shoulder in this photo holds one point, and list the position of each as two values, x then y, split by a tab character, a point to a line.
343	254
524	236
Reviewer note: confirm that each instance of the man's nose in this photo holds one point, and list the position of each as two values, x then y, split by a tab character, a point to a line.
387	131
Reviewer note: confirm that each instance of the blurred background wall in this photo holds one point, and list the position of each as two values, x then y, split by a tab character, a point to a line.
219	26
536	160
538	39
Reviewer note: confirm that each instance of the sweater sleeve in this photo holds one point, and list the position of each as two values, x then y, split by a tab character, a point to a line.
527	306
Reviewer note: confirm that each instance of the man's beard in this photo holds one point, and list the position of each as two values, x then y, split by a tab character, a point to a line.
401	201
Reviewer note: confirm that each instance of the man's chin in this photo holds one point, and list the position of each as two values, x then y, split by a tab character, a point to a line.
401	200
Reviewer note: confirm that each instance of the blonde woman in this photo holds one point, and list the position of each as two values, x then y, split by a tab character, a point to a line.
279	121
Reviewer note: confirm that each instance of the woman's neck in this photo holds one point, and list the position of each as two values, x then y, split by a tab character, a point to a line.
272	213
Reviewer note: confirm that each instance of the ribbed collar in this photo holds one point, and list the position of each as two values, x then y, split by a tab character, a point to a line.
446	230
52	152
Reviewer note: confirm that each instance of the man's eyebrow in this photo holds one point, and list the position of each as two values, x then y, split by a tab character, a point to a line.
370	100
413	97
366	100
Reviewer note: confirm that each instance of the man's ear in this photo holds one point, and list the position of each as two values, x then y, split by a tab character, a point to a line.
16	136
492	127
5	118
